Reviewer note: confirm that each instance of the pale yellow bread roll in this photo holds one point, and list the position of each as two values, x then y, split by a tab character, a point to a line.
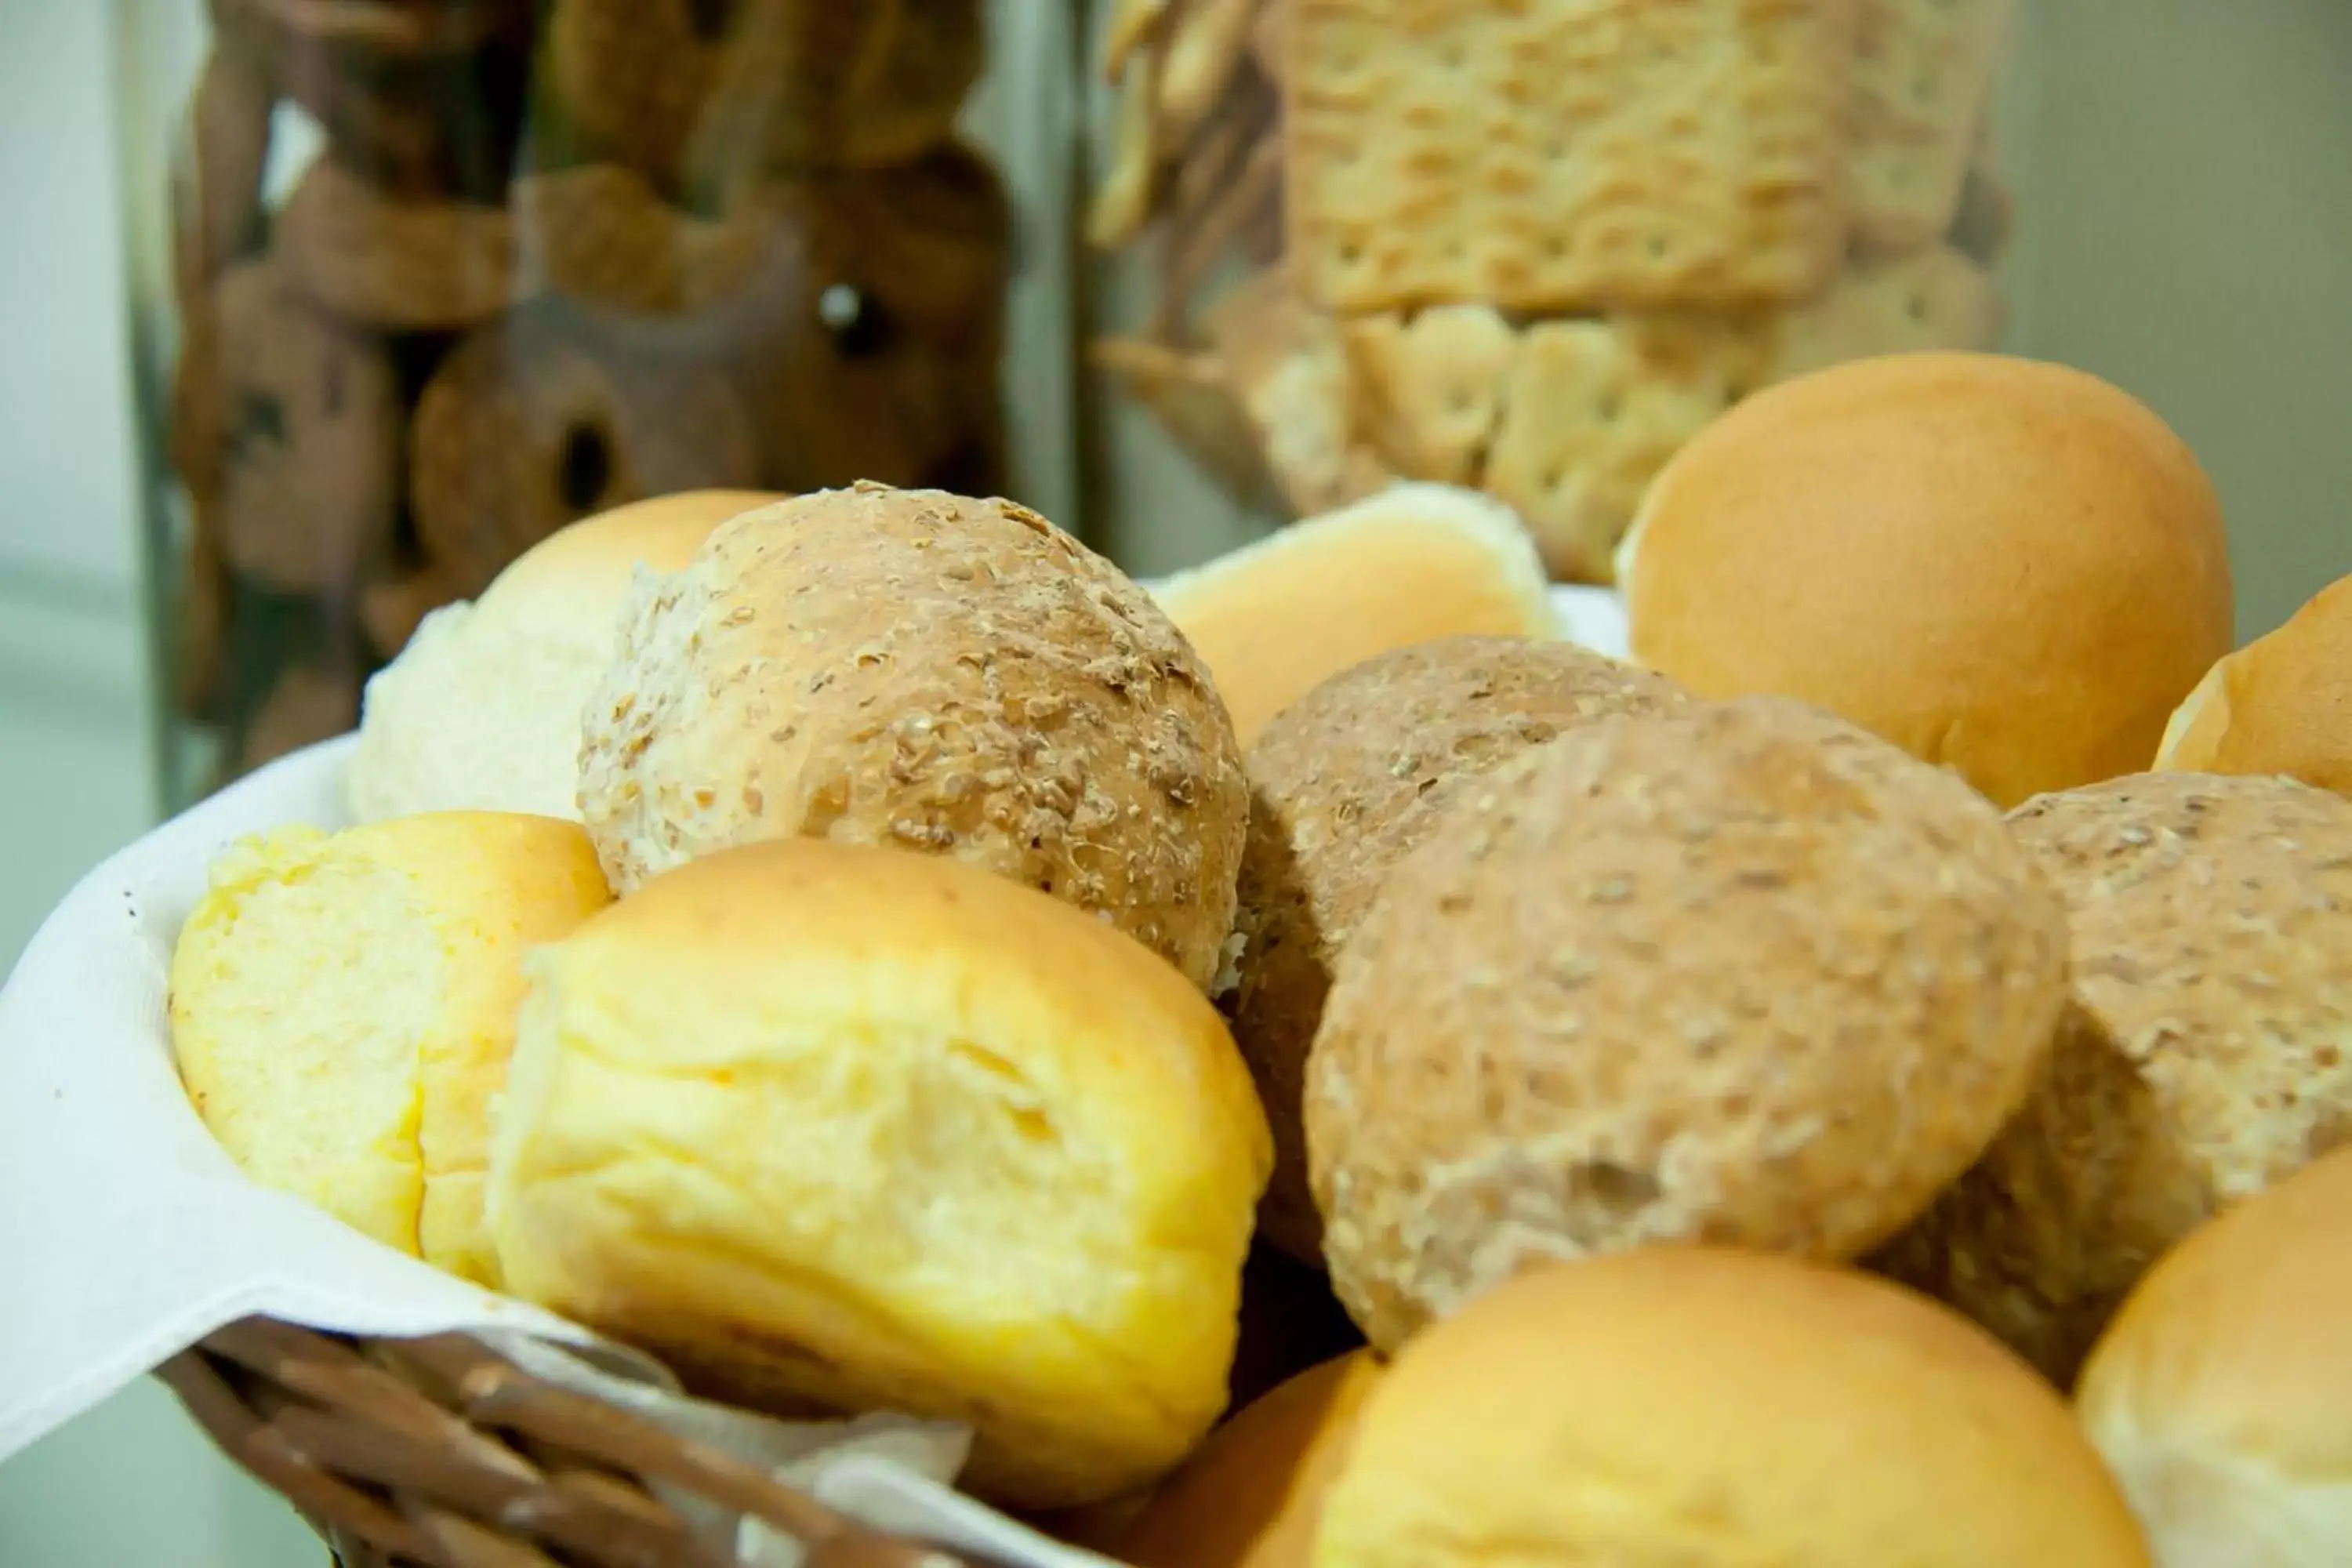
1414	562
342	1007
2010	568
1250	1496
1678	1407
481	709
862	1127
2281	704
2221	1395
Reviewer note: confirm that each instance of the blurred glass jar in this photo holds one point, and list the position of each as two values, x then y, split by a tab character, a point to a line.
418	282
1526	247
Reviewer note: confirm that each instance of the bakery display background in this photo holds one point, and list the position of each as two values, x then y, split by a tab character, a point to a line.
2181	166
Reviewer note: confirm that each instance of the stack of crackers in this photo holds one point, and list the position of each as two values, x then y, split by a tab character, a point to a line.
1533	246
531	259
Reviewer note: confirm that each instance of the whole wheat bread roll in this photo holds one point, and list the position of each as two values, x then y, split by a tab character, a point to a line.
1686	1408
2281	704
1344	783
2010	568
1742	974
2207	1053
832	1123
936	673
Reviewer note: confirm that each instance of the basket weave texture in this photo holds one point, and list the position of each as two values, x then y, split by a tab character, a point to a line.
438	1453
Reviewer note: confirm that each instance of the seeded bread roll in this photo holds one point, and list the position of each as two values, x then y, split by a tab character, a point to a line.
1690	1407
825	1122
1344	783
1742	974
342	1006
2281	704
2207	1052
2218	1395
914	669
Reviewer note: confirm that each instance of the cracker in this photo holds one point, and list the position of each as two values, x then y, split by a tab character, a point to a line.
1923	72
1290	371
1935	298
1593	409
1428	391
1189	396
1567	154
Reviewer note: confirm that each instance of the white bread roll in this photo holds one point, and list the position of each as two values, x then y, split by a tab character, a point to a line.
2221	1395
1685	1408
342	1007
2281	704
2008	567
481	710
873	1129
1414	562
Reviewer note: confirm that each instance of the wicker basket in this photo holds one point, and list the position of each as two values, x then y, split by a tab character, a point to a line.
438	1453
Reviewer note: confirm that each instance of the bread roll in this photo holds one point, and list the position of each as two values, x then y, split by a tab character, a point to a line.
2281	704
1743	973
481	709
917	669
1677	1408
1344	783
2008	567
1250	1497
1414	562
342	1007
2219	1394
2204	1055
876	1130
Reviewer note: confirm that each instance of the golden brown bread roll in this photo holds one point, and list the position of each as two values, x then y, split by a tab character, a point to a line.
2011	568
874	1130
1676	1408
2218	1393
1250	1496
342	1007
2203	1055
1741	974
918	669
1414	562
2281	704
1344	783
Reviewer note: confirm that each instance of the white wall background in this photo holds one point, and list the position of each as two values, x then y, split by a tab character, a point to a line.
2187	171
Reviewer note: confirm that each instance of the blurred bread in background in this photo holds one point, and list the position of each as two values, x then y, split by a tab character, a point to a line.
1707	1408
2007	567
1741	973
481	709
2281	704
2206	1053
2219	1394
1344	783
342	1007
933	673
834	1125
1410	564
